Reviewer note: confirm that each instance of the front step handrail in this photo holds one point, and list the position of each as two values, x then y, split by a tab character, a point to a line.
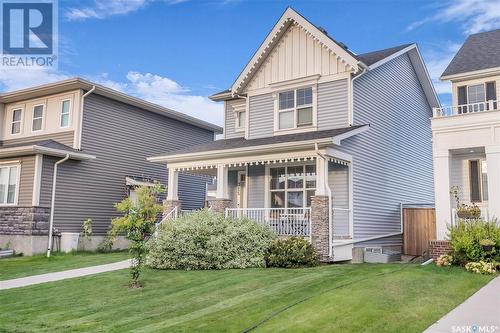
171	215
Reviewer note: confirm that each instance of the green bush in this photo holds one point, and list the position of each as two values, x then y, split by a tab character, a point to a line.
468	237
204	240
291	252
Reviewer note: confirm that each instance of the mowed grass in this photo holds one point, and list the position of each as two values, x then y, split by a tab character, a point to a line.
332	298
11	268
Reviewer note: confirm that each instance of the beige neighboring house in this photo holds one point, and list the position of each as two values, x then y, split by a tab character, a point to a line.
466	135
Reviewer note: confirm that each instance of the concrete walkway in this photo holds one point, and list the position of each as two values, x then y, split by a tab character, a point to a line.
72	273
479	313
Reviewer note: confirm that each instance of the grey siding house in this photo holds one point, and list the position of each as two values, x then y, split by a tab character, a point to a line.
106	137
320	142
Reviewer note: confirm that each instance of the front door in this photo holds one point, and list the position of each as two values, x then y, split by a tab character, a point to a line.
241	193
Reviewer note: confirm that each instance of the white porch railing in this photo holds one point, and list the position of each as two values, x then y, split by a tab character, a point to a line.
454	217
341	223
173	214
283	221
465	108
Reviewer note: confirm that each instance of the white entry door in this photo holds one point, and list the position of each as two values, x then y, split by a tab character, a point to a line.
241	190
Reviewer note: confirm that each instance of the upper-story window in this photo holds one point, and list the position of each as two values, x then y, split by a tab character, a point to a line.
477	97
8	184
17	116
65	110
37	118
241	120
295	108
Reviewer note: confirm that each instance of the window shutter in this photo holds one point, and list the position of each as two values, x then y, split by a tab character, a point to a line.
475	187
491	94
462	99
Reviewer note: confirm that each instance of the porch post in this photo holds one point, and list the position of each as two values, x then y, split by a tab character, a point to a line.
442	192
320	211
222	200
172	200
493	174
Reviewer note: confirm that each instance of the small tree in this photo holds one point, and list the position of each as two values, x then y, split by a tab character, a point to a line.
138	224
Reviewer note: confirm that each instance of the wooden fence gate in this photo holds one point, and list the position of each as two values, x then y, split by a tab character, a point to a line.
419	227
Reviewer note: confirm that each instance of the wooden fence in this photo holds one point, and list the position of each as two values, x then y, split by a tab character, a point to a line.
419	227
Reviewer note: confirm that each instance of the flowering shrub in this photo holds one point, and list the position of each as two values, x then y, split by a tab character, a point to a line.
291	252
481	267
205	240
444	260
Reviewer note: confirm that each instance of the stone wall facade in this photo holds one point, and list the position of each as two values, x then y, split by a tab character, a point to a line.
438	247
28	221
320	226
220	205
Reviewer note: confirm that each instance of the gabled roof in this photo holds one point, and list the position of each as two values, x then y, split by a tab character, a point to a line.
480	51
371	58
288	18
46	147
240	145
78	83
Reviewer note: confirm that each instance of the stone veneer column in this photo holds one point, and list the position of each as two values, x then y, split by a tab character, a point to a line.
169	205
320	226
220	205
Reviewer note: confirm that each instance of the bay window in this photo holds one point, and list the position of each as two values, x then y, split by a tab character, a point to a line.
8	184
292	186
295	108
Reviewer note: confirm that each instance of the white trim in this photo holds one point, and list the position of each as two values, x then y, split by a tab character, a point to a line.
392	56
37	180
69	112
132	182
44	109
338	138
5	152
472	74
295	109
21	122
18	182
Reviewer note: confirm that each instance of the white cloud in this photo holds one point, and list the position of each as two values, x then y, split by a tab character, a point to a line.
14	79
437	60
104	8
475	15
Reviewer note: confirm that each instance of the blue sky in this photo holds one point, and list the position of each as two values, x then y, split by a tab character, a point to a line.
178	52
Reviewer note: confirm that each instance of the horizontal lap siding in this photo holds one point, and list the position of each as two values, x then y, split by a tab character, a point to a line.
393	159
65	138
25	194
230	121
121	137
261	116
256	186
332	104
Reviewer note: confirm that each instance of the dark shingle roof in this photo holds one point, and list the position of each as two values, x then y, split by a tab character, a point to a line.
43	143
480	51
370	58
244	143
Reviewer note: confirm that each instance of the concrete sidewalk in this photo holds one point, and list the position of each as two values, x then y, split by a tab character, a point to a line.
72	273
479	313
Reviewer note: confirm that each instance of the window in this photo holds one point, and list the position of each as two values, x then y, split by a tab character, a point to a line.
16	121
37	118
478	181
65	113
241	120
292	186
295	108
474	94
8	184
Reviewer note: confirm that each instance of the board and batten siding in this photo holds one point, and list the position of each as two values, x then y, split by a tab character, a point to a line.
261	116
256	186
121	137
25	194
333	104
230	120
393	159
66	138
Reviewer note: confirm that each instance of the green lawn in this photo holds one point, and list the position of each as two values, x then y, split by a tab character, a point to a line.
16	267
333	298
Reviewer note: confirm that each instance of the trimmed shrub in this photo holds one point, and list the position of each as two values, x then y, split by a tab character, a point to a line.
291	252
468	239
481	267
205	240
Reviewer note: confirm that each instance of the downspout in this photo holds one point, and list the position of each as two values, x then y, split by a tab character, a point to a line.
80	123
52	204
329	191
351	100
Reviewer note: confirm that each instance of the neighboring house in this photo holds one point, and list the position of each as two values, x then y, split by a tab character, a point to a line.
320	142
106	136
466	135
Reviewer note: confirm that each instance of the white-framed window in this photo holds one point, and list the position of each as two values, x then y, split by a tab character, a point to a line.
241	120
295	108
478	180
17	118
37	122
9	179
292	186
65	113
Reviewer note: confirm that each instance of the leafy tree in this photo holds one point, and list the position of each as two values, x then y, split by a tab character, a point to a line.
138	224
